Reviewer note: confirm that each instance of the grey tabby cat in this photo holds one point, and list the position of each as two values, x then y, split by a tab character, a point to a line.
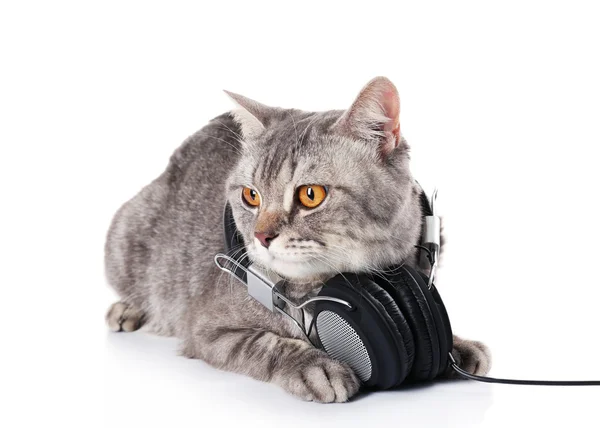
313	194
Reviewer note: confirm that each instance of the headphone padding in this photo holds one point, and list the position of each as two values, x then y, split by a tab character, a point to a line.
400	327
442	321
403	287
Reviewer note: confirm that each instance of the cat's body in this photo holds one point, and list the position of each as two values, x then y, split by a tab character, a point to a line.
161	244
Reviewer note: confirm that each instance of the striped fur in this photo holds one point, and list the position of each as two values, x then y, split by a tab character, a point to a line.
161	243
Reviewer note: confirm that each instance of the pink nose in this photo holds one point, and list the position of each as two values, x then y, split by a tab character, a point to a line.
265	238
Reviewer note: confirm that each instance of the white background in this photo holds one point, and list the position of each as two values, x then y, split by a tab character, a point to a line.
500	103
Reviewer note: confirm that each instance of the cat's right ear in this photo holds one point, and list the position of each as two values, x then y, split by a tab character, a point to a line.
252	116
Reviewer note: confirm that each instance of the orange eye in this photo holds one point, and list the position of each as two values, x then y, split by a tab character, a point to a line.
312	196
251	197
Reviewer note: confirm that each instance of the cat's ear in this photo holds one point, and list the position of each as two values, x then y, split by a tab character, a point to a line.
374	115
252	116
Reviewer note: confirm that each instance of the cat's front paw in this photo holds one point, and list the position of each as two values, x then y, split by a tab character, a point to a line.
471	356
319	378
124	317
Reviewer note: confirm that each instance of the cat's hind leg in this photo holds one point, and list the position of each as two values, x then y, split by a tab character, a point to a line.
124	317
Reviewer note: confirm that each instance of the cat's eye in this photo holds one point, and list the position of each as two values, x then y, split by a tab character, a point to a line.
312	196
251	197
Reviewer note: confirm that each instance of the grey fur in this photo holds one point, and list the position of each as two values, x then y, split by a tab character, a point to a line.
160	246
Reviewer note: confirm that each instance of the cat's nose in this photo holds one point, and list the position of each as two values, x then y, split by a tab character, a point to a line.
265	238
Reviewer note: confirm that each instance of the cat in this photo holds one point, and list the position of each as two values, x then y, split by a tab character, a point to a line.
312	194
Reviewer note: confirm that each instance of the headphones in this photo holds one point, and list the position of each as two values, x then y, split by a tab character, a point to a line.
390	328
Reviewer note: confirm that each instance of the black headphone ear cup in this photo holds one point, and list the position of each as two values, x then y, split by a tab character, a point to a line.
373	321
405	290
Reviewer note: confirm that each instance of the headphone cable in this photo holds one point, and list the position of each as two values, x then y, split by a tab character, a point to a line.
521	381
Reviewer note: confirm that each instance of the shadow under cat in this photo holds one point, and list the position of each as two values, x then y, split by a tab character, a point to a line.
446	403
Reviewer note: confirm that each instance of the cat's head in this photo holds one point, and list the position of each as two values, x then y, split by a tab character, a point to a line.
315	194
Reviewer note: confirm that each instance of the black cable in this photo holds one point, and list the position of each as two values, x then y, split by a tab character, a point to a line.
429	254
522	381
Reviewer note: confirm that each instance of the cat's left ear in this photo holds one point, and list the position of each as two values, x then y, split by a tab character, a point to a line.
374	115
252	116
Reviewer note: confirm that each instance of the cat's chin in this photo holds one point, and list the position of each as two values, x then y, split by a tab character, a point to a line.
297	271
300	271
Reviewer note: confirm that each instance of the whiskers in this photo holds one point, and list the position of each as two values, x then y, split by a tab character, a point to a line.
237	136
314	264
340	254
324	259
241	254
235	149
313	120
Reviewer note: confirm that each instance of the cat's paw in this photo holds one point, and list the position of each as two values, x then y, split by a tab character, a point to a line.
124	317
322	379
471	356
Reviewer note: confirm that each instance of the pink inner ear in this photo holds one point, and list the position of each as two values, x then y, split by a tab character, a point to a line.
391	106
376	109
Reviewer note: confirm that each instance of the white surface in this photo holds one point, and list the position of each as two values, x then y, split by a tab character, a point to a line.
500	105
